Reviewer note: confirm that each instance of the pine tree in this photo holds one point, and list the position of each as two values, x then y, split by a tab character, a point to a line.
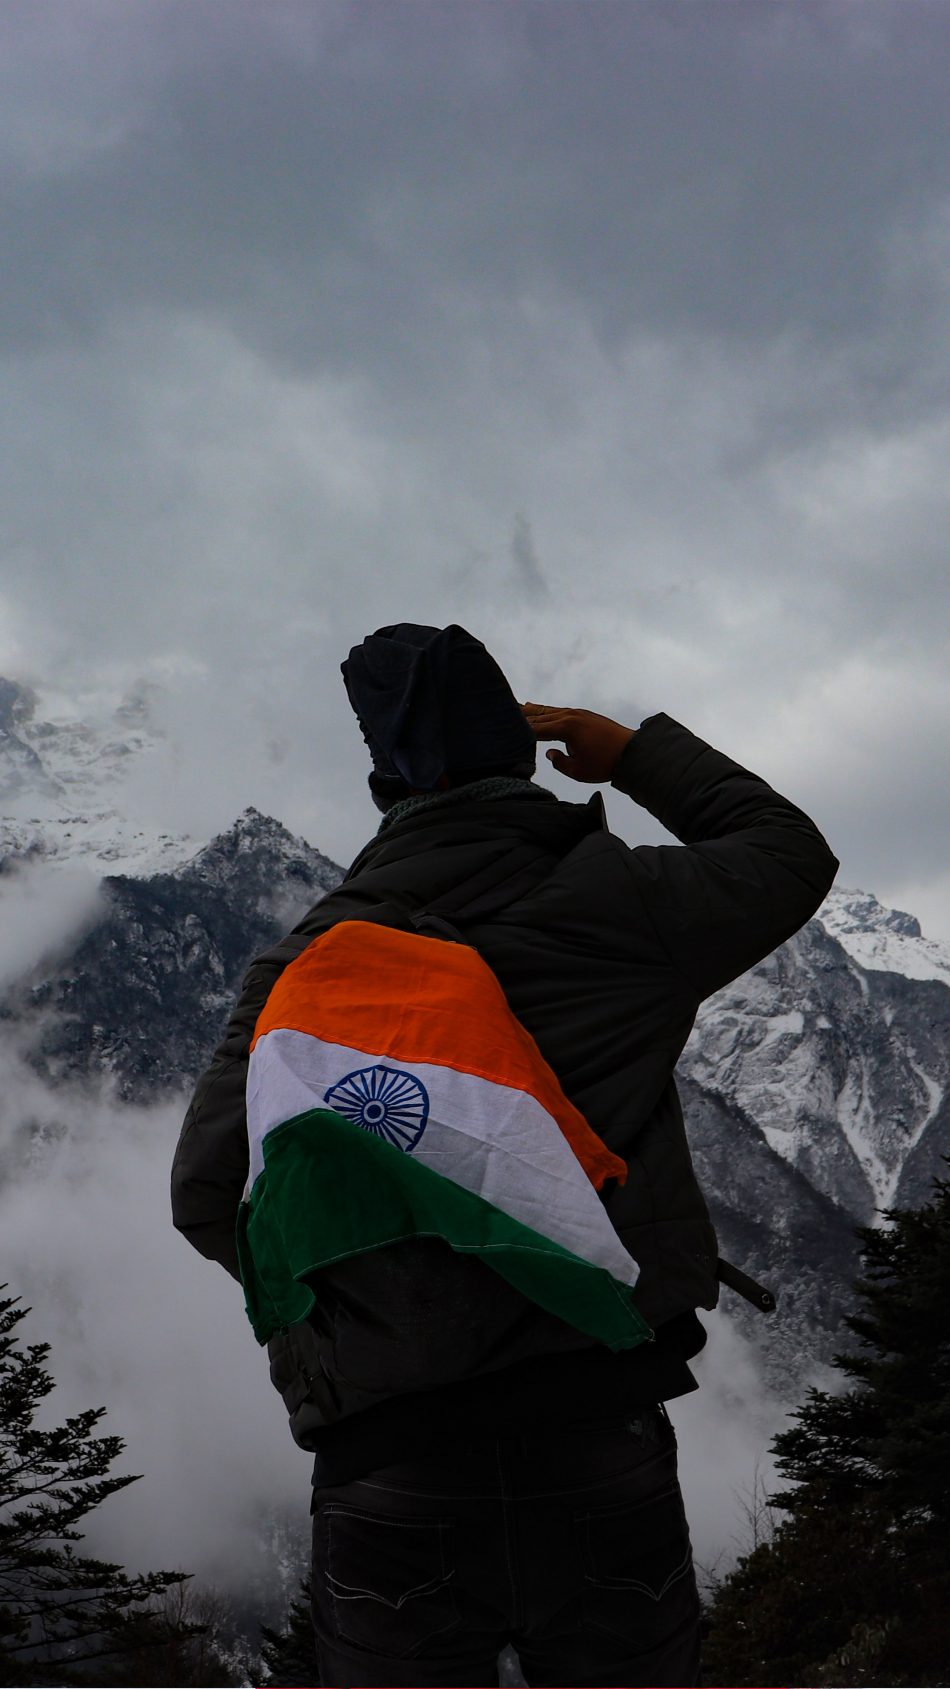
60	1611
854	1587
290	1655
187	1639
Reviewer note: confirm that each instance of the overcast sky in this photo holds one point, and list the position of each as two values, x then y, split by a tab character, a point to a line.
619	332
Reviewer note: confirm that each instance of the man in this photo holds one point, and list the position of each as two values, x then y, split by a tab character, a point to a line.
484	1471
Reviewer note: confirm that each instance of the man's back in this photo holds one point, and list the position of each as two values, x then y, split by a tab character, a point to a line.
603	953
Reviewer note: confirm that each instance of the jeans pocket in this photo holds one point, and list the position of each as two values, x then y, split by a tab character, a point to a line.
380	1581
639	1583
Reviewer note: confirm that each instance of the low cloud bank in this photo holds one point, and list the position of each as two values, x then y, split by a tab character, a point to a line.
724	1431
42	910
140	1323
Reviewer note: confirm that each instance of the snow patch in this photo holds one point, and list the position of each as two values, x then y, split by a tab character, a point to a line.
883	940
855	1118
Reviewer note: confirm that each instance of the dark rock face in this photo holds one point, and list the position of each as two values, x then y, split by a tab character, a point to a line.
145	996
776	1227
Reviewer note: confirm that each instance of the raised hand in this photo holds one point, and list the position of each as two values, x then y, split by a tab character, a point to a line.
593	742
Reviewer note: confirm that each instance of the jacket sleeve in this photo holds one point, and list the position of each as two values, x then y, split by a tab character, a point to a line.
209	1171
754	869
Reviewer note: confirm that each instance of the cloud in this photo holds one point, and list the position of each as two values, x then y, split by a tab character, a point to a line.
42	911
137	1322
528	570
724	1431
246	526
655	169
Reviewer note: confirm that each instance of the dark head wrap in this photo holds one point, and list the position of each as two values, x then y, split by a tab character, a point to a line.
432	702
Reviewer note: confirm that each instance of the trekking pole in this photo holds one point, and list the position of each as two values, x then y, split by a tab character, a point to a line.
745	1286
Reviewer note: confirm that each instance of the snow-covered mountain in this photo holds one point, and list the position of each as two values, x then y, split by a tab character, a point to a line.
143	997
838	1047
62	774
816	1090
883	940
816	1087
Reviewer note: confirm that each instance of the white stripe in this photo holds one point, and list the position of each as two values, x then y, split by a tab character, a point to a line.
489	1138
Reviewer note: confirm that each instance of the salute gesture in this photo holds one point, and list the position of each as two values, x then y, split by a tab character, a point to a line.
594	742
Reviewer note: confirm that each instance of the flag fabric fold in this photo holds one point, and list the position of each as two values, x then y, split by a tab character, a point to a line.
392	1094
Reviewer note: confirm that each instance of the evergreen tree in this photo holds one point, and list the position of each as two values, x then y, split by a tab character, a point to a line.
854	1587
187	1639
290	1655
63	1613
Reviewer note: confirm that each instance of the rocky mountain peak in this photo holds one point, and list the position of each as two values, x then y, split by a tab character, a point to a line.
860	912
144	995
883	940
262	852
252	827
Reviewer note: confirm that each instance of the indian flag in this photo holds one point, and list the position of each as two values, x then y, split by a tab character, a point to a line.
392	1094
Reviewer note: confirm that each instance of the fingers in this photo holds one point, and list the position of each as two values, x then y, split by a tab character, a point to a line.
547	722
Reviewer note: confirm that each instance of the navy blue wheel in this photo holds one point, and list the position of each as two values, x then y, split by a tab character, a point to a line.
383	1100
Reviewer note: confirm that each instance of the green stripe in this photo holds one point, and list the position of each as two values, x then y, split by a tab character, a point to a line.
330	1190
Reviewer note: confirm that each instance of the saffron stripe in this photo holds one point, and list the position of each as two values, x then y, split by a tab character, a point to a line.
411	999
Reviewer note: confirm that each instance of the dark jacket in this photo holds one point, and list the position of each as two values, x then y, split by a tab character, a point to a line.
604	959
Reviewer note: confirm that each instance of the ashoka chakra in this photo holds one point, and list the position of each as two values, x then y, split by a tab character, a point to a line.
385	1101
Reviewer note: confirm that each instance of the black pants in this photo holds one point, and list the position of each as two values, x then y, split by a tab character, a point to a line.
569	1544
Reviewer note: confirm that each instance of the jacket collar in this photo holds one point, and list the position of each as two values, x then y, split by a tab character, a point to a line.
556	826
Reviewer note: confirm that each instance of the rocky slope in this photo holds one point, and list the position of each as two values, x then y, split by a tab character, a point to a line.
143	997
842	1061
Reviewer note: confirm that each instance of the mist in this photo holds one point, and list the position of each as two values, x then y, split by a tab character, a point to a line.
40	910
140	1324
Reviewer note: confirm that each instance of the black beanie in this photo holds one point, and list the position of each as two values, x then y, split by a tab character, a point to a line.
433	702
